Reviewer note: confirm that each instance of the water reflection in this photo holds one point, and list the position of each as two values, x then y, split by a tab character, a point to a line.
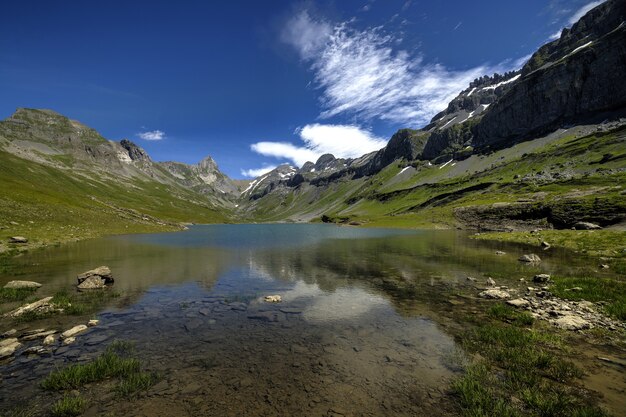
351	336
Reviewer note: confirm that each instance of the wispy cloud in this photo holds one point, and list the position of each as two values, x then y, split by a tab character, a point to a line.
576	17
343	141
583	11
152	135
362	72
257	172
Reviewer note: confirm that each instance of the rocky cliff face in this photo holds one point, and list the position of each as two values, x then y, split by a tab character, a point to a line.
574	78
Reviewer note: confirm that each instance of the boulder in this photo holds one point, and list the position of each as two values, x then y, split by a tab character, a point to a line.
541	278
22	284
491	282
518	302
49	340
495	294
73	331
43	306
91	283
531	258
499	252
93	322
604	266
586	226
103	272
18	239
571	322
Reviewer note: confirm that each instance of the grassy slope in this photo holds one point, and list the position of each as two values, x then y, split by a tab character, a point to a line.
49	205
382	200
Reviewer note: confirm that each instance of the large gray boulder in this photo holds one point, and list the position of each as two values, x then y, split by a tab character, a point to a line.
103	272
92	283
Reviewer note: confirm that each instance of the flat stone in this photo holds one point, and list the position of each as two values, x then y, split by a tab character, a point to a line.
531	258
8	347
572	322
69	341
8	333
495	294
41	305
18	239
39	335
499	252
518	302
8	342
22	284
73	331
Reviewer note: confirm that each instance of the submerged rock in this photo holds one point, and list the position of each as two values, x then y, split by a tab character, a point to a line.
495	293
531	258
273	298
39	335
22	284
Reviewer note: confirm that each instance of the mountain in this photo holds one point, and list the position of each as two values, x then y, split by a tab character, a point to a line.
61	180
542	147
552	131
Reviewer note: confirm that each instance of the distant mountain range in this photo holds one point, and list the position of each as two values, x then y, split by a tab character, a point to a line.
533	142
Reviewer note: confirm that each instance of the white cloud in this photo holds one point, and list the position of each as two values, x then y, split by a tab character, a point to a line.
152	135
360	72
343	141
576	17
257	172
583	11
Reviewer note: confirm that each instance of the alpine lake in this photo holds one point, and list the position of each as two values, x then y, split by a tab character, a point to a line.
368	322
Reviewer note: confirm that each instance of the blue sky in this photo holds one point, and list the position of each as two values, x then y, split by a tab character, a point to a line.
259	83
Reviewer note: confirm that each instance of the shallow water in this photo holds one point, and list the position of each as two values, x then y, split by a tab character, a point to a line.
357	332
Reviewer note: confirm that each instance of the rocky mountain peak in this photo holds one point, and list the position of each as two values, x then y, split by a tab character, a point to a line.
135	152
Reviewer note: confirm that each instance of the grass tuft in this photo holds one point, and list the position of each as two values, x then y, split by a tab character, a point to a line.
69	407
15	294
610	290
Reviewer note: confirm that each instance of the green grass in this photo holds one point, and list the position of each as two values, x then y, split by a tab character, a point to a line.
134	383
612	291
117	362
49	205
591	242
73	304
520	371
108	365
69	406
15	294
509	314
